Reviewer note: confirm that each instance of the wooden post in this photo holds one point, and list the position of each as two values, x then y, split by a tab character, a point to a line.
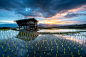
19	27
29	27
36	26
26	27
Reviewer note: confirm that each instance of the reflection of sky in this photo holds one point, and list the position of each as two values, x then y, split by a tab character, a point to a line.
8	34
60	30
47	38
78	37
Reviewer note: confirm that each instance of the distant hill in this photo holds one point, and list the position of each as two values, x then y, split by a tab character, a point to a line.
74	26
39	25
46	26
9	25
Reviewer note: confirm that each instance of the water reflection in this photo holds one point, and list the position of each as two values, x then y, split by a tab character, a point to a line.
42	45
8	34
77	37
60	30
27	36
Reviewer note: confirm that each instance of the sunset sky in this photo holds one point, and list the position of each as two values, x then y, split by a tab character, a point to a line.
45	11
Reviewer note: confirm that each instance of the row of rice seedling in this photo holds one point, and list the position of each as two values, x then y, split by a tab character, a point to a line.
27	44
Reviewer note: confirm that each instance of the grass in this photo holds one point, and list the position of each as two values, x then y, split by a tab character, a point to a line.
4	29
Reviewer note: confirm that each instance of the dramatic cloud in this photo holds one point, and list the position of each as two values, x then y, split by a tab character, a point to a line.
45	11
11	4
43	8
70	15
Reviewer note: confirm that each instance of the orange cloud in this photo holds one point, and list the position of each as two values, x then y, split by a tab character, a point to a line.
78	9
59	17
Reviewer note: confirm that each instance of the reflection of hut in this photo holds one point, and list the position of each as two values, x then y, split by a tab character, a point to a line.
27	24
27	36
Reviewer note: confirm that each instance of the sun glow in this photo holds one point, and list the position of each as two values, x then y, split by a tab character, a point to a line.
58	22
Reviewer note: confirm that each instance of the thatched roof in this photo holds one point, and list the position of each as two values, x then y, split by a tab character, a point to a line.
26	20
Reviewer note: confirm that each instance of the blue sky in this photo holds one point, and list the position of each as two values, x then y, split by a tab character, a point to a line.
45	11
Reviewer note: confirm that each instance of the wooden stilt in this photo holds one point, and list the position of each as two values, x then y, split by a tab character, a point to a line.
19	27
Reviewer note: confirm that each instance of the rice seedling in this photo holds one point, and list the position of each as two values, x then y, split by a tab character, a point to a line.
15	53
8	56
32	47
62	46
5	51
2	47
45	42
28	55
44	54
1	42
12	51
22	50
81	49
21	55
80	56
56	54
50	54
34	53
3	55
64	50
27	51
74	48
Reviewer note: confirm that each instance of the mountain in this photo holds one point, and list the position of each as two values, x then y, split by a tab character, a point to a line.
39	25
9	25
74	26
48	25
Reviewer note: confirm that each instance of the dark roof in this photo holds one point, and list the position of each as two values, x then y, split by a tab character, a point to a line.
30	19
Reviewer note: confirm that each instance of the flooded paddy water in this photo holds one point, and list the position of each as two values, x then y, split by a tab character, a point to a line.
27	44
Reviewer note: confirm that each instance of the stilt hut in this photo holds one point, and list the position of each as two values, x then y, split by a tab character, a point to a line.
28	24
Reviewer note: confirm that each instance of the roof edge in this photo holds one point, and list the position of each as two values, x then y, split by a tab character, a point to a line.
26	19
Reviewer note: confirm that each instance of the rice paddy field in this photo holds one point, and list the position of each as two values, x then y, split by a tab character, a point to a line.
27	44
